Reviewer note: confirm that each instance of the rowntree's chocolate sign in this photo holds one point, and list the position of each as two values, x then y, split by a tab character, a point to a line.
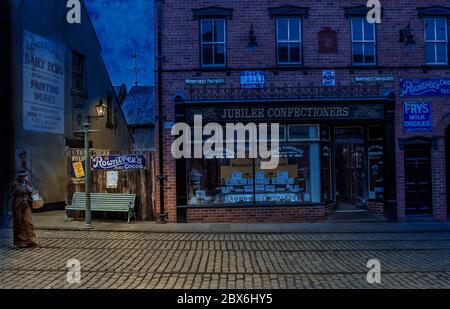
429	87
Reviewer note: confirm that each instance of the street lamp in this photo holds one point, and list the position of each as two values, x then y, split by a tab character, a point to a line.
101	110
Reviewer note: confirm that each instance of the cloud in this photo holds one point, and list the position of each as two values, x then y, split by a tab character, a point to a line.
123	27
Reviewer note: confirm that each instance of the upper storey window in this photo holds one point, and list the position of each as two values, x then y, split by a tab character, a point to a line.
213	42
289	41
289	23
435	33
436	41
363	42
213	35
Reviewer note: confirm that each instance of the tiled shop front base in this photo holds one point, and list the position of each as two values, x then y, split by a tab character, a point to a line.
264	214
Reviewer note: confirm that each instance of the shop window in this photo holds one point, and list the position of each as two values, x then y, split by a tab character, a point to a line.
363	42
375	133
297	179
325	133
436	41
213	42
282	135
298	133
78	73
220	181
289	41
327	185
376	172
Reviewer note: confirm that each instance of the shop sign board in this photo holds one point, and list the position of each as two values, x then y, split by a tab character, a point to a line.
374	79
204	81
119	163
417	117
288	112
43	84
253	79
424	87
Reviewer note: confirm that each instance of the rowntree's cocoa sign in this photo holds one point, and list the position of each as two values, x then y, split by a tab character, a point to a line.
118	163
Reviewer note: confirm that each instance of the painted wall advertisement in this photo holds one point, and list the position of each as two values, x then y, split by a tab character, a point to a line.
43	85
424	87
417	117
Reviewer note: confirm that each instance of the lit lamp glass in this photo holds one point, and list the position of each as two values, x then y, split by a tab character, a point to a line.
101	109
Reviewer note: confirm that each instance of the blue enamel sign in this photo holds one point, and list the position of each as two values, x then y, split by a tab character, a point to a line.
253	79
417	117
428	87
117	163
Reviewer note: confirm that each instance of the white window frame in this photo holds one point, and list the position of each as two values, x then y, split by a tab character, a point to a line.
289	41
364	41
213	43
436	41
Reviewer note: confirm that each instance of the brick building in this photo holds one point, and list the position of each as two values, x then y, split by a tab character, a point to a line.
363	108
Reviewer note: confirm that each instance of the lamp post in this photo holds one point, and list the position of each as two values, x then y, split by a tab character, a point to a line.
101	110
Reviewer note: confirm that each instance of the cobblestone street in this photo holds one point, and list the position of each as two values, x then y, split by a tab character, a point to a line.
211	261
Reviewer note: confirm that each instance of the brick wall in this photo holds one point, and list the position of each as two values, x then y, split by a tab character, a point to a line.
375	207
181	51
275	214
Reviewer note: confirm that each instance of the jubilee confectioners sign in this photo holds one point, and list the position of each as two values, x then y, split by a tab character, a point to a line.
43	84
425	87
293	112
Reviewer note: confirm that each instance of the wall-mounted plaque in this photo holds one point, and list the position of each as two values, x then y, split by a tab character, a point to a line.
328	41
204	81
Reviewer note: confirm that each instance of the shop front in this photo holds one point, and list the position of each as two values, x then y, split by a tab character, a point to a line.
330	157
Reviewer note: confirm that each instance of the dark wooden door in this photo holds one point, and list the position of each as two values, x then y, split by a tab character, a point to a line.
418	184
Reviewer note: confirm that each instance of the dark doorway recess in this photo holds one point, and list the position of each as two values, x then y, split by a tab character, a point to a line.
447	167
350	169
418	185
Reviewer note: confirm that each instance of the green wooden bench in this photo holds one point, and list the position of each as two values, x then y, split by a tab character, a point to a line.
106	202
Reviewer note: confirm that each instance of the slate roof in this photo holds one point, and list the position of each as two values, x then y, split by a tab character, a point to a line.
139	106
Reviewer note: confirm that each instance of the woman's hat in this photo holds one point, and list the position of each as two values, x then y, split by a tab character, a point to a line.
23	174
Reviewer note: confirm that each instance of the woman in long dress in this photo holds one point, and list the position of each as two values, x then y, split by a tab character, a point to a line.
21	204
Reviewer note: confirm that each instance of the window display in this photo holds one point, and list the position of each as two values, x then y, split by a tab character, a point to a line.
297	179
376	181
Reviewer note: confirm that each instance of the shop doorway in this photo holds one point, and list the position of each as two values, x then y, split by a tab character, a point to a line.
350	169
447	157
418	184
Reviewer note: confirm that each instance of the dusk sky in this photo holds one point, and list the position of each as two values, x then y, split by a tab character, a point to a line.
124	26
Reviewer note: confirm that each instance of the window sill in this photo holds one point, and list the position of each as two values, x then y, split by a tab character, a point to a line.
225	206
436	66
212	68
364	67
290	67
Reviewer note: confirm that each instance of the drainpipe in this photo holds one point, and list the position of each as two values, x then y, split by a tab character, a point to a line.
161	117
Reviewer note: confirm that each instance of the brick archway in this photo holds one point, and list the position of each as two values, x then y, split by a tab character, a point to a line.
442	126
442	159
